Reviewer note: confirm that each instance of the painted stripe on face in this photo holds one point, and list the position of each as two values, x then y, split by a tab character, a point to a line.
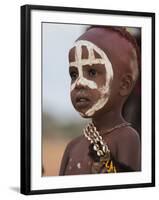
81	80
79	62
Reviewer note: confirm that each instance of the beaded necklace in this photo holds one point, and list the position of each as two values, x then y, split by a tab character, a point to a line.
99	146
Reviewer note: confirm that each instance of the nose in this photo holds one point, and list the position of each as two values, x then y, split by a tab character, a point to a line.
80	84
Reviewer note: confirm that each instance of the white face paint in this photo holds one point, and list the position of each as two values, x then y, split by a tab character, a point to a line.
81	80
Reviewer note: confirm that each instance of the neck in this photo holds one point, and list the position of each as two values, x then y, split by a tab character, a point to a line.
108	120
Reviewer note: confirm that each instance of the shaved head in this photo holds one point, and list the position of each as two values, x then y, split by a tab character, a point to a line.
118	48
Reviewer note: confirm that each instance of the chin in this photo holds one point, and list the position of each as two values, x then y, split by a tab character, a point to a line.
85	116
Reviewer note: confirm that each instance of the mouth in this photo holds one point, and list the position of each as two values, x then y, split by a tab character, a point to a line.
82	102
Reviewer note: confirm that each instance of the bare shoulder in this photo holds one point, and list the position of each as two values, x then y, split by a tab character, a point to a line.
66	154
128	135
71	145
73	142
128	147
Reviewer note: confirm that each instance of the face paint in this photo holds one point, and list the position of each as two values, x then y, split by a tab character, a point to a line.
81	80
79	63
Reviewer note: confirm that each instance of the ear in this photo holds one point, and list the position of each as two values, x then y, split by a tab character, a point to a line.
126	84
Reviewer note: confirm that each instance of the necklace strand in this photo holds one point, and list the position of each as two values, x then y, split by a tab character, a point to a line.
117	126
92	134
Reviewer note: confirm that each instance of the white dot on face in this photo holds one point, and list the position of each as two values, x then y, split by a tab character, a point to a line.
70	167
79	165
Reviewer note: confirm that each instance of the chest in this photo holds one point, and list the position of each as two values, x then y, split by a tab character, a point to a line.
79	161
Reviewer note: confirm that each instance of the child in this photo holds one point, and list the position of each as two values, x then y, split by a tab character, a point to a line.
104	66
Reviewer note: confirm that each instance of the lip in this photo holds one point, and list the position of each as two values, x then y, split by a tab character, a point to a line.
82	102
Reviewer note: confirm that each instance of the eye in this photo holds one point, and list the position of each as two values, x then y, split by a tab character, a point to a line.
92	72
73	75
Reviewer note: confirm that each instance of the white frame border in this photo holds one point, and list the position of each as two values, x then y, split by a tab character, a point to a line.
59	182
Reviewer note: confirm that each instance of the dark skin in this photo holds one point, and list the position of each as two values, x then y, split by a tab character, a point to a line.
124	143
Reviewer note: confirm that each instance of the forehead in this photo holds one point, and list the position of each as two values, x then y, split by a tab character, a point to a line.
85	50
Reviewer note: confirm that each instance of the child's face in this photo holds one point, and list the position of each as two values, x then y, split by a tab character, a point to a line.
91	76
102	66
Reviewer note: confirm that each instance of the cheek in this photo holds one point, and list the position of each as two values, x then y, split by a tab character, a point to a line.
102	81
95	95
102	86
72	96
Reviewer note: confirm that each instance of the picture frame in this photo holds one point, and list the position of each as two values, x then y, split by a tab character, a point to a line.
33	19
